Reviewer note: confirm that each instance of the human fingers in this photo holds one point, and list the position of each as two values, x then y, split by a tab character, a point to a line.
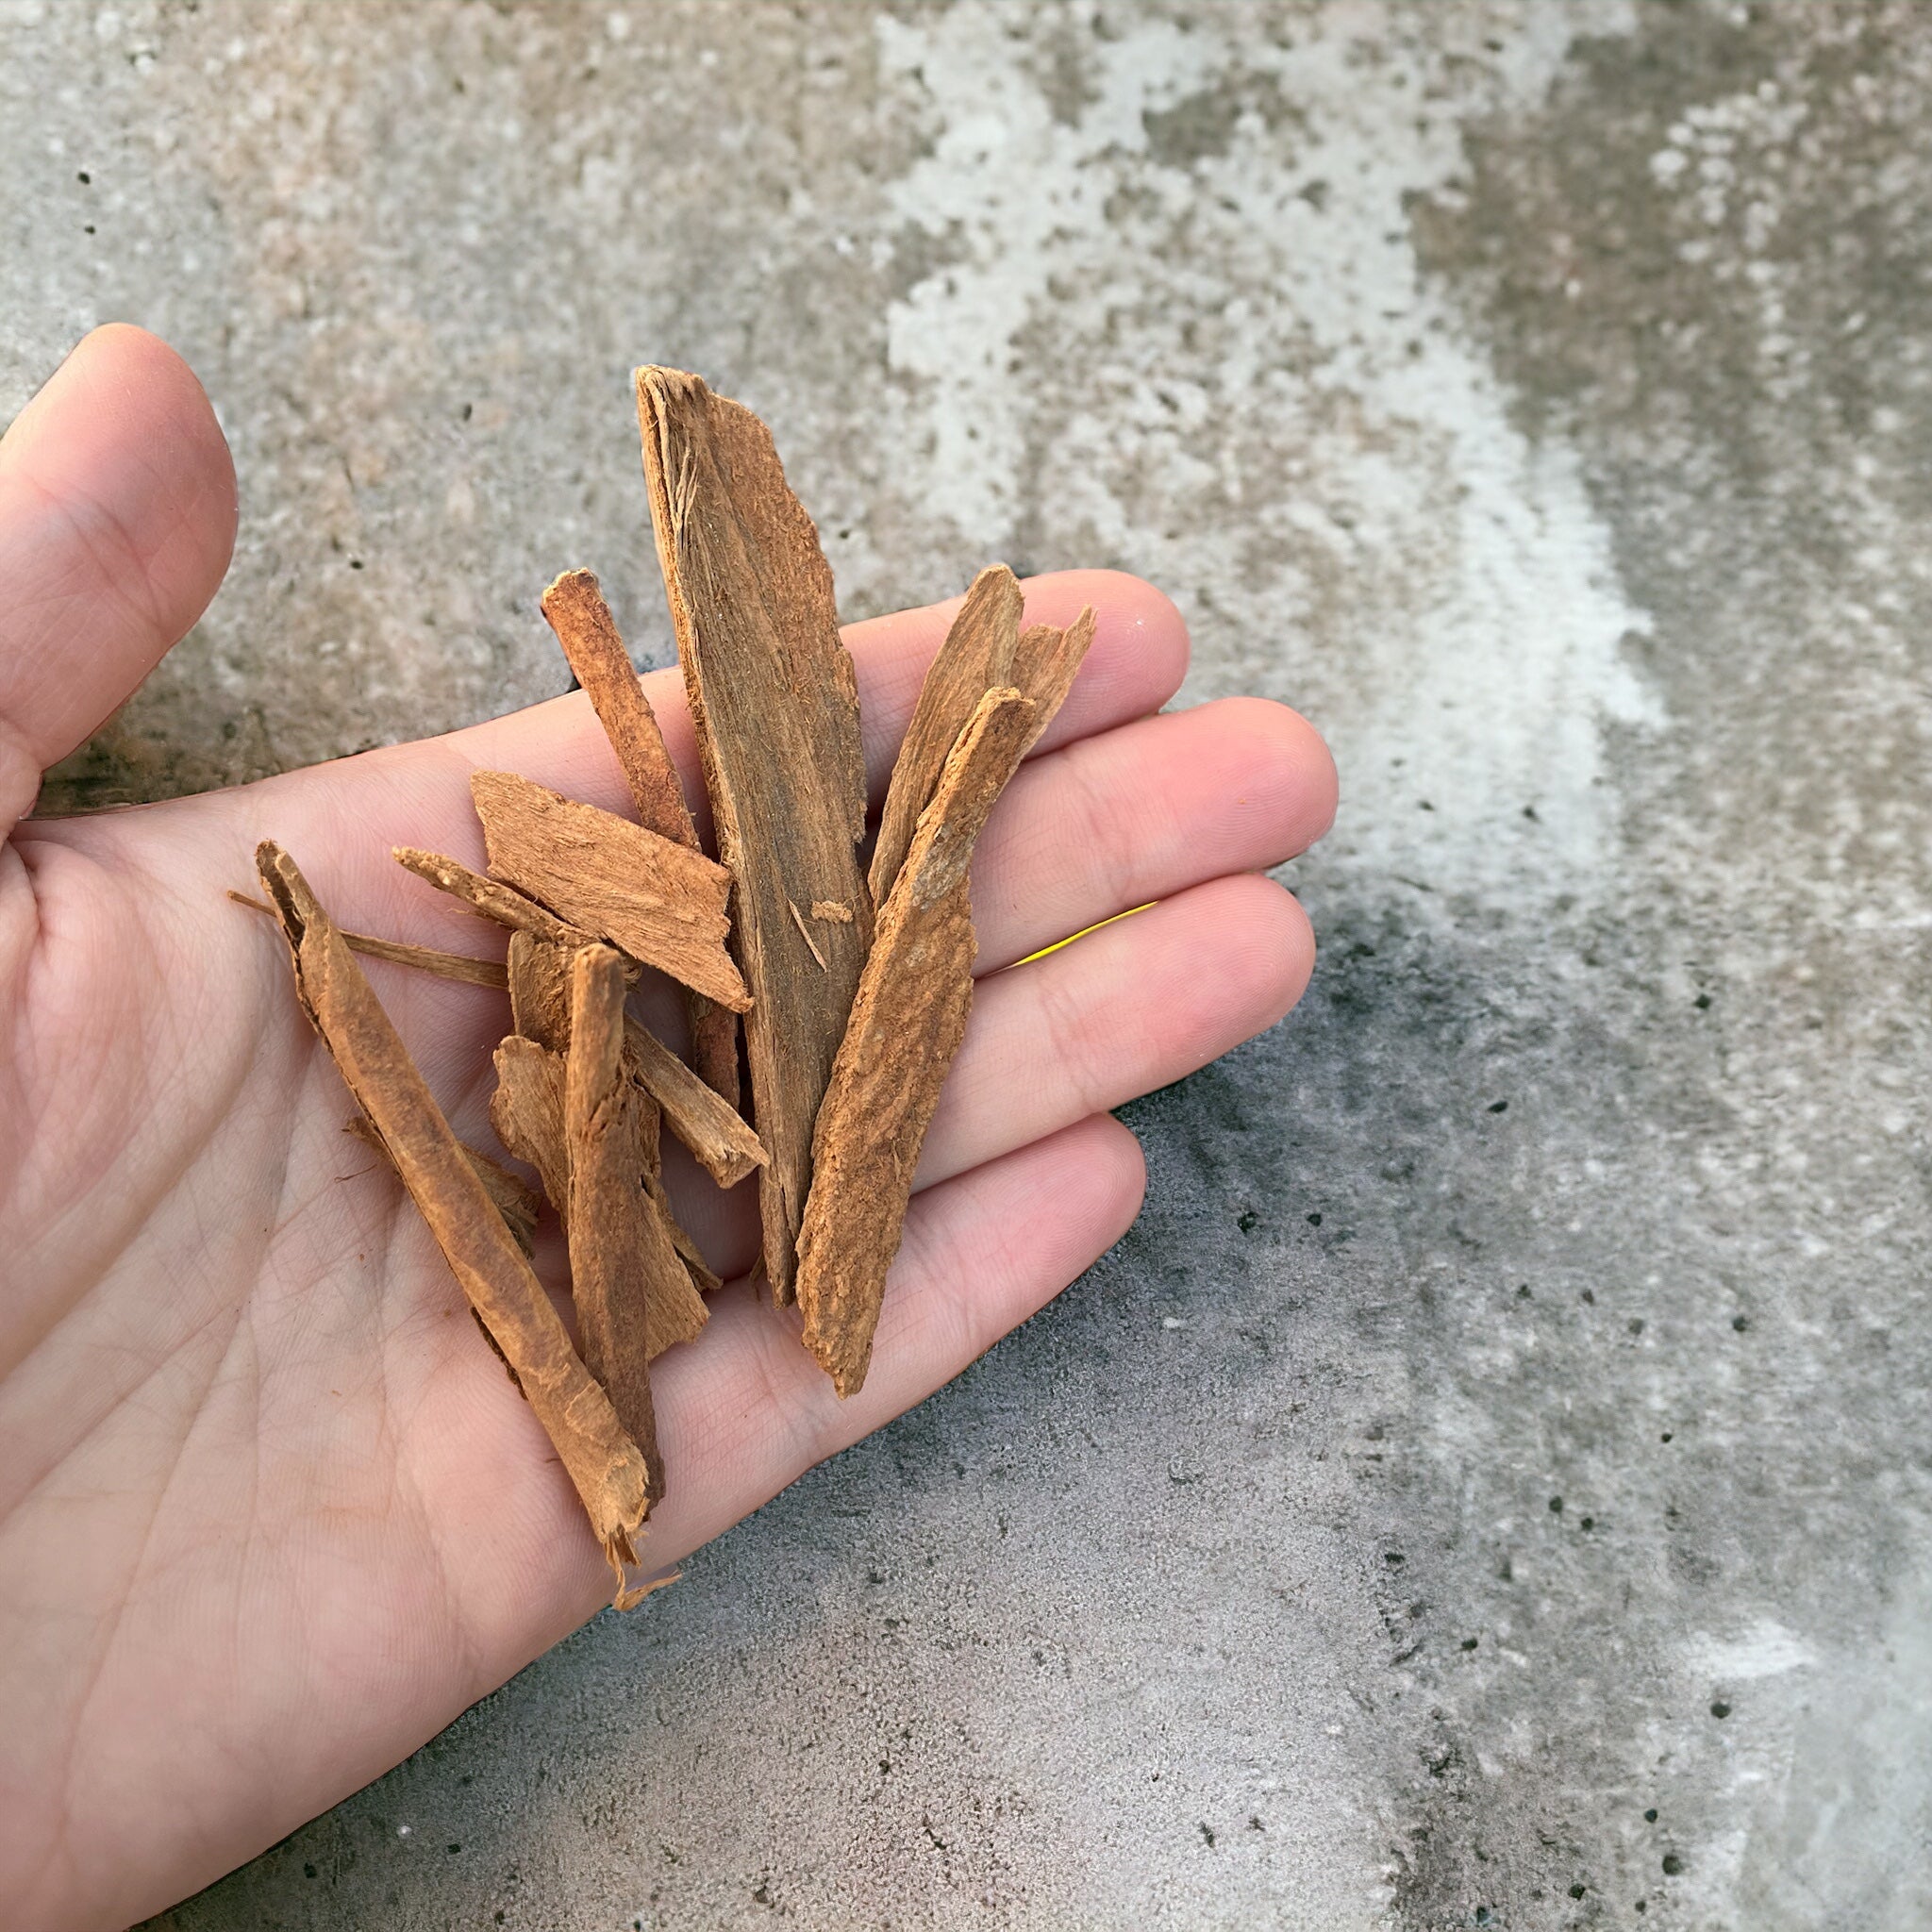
354	809
1133	1006
1134	665
117	519
1142	812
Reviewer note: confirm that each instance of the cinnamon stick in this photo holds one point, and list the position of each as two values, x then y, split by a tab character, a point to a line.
1045	663
907	1025
488	897
775	702
661	903
724	1147
574	609
457	966
527	1110
976	657
605	1464
633	1298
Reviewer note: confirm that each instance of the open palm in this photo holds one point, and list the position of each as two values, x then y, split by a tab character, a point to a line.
270	1512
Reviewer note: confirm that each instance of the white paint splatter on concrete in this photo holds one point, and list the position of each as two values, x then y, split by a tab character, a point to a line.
1460	612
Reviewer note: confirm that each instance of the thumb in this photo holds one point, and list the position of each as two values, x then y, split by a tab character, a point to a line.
117	520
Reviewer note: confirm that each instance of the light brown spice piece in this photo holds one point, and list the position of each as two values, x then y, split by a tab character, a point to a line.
513	1198
660	902
774	701
608	1281
634	1297
907	1025
575	607
431	959
723	1144
976	657
540	1011
1045	663
527	1110
489	898
606	1466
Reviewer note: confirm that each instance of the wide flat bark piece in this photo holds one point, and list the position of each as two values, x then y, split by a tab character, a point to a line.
605	1464
774	701
907	1021
976	657
574	609
662	902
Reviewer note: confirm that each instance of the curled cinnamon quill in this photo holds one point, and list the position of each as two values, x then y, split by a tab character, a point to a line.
605	1464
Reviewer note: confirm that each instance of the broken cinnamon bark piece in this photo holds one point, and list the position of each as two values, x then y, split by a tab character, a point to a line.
608	1281
574	609
976	657
431	959
488	897
724	1146
634	1295
907	1025
540	1011
515	1200
1045	663
527	1110
661	903
775	702
604	1465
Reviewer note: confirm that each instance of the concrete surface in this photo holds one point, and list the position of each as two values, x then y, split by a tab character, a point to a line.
1491	1486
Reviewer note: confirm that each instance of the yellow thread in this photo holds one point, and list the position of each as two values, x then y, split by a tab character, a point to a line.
1084	931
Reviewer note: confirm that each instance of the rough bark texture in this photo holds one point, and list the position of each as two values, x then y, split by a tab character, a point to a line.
723	1144
527	1110
1046	661
907	1025
488	897
575	607
976	656
774	701
608	1268
605	1464
662	902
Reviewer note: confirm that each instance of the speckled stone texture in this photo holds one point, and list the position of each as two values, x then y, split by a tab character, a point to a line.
1491	1486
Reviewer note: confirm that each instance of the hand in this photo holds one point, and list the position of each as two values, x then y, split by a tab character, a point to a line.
271	1514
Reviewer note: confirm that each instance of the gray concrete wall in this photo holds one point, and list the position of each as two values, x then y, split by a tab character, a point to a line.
1491	1485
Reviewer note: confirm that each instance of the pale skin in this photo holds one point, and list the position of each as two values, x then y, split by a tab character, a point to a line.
270	1512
